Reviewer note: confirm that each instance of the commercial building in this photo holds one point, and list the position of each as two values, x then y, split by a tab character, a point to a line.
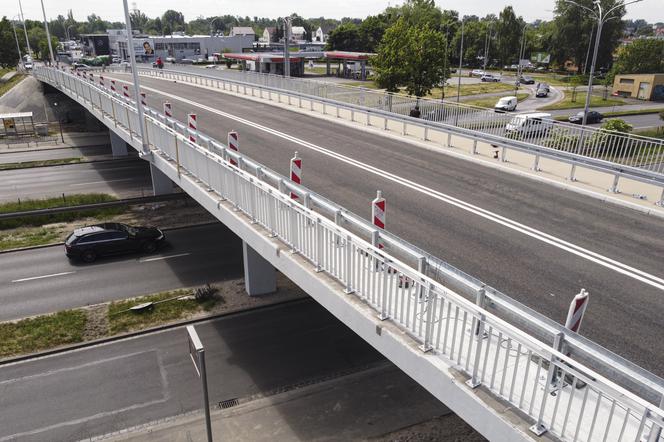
179	46
648	87
95	45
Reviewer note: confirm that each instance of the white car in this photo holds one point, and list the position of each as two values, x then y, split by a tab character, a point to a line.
506	104
27	65
490	78
536	123
477	73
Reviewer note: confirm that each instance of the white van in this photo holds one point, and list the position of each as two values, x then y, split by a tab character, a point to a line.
506	104
536	123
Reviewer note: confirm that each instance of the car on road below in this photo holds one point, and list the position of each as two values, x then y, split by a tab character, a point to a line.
544	86
490	78
592	118
477	73
542	92
526	80
528	125
506	104
90	242
81	66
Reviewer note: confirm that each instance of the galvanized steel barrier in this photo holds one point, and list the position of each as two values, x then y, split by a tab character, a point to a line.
558	392
630	152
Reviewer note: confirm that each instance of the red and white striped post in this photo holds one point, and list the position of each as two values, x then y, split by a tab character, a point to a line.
92	77
192	124
112	85
295	173
168	111
101	80
125	91
234	145
378	215
576	310
144	101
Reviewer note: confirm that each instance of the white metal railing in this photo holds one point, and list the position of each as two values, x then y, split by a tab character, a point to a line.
625	149
561	394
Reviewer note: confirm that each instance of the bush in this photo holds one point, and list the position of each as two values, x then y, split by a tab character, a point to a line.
617	125
205	293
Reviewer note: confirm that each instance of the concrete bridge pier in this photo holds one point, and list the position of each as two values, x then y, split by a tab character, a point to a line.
161	183
260	277
118	145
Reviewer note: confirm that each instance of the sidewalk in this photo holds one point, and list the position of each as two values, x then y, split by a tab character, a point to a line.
377	404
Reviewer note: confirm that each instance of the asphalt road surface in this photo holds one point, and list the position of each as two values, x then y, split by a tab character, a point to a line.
43	280
91	153
546	247
123	178
97	390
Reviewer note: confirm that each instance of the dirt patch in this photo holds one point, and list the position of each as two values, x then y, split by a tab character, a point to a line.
449	428
96	326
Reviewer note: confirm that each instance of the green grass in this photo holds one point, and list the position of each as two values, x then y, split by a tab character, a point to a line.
28	237
364	84
28	164
5	87
42	332
595	101
491	101
67	201
652	133
472	89
121	321
316	70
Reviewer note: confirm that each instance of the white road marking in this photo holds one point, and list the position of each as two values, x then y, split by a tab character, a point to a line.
597	258
159	258
43	276
102	182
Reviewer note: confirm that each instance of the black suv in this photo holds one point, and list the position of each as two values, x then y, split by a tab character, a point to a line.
88	243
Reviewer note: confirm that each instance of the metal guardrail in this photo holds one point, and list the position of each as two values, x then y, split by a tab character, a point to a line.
633	151
508	361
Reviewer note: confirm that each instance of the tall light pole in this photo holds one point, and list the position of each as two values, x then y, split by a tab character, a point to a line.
27	42
460	64
519	70
134	74
487	42
18	48
590	43
48	34
287	35
602	17
211	28
67	32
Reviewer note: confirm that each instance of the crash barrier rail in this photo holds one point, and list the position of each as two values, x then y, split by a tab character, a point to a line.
559	393
625	151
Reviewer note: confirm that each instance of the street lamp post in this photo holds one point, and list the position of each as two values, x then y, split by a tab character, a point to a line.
487	43
602	17
20	57
212	29
287	37
25	30
48	34
519	70
460	64
134	74
67	32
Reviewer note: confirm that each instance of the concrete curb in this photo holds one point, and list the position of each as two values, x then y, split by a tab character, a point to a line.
46	149
159	328
106	160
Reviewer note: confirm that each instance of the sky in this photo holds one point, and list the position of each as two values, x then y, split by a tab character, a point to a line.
112	10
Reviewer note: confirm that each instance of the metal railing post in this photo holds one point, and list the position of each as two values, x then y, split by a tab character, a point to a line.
426	345
539	428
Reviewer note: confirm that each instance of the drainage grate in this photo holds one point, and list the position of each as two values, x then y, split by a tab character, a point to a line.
228	403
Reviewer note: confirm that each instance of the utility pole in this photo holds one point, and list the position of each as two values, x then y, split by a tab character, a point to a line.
20	57
287	36
460	65
487	42
27	42
48	34
134	74
519	70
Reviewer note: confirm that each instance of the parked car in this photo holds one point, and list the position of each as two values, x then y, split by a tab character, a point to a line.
542	92
477	73
187	61
592	118
90	242
506	104
490	78
170	59
514	67
116	60
525	125
526	80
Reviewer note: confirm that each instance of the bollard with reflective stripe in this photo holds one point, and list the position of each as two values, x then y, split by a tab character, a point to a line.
576	310
234	145
125	91
378	214
112	85
168	110
101	80
92	77
295	173
144	101
191	123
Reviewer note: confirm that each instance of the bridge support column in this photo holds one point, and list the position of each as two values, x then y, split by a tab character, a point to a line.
260	277
92	124
118	145
161	183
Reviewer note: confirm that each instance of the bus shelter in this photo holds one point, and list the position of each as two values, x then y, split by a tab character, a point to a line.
17	124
